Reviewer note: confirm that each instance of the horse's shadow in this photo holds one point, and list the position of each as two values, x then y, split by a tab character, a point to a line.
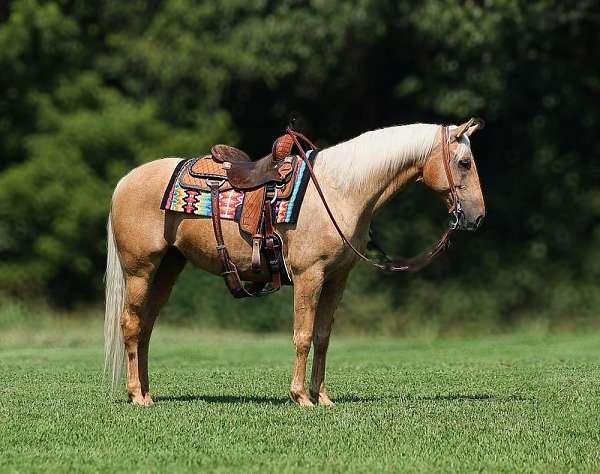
230	399
453	397
349	398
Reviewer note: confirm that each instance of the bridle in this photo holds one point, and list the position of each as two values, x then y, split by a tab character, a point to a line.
402	265
456	208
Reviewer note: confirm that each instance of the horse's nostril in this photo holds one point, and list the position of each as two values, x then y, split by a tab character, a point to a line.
478	221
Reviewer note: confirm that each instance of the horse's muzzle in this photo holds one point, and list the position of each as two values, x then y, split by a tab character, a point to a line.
468	224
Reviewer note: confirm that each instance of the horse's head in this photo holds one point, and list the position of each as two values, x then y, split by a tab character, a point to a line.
450	171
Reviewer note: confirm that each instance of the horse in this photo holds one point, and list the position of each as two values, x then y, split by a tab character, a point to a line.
148	247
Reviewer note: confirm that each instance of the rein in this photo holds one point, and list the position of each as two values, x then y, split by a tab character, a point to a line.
404	265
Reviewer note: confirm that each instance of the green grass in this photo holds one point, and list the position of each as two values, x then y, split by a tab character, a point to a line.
510	403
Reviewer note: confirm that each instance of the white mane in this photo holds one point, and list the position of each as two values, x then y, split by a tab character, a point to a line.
377	153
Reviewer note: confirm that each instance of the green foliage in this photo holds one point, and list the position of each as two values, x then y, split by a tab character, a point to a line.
92	89
501	404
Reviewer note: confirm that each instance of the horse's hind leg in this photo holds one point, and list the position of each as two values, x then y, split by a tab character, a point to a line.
168	271
136	298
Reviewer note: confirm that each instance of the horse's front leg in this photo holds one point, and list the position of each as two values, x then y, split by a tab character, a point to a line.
331	294
307	289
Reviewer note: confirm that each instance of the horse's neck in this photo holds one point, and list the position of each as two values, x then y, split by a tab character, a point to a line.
371	168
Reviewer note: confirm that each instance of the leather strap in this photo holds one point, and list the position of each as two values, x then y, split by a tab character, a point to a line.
272	248
230	273
404	265
446	160
256	246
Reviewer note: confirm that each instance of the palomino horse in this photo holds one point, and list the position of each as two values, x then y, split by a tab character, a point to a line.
148	247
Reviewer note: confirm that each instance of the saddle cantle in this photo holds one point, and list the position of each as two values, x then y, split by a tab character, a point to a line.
223	153
256	193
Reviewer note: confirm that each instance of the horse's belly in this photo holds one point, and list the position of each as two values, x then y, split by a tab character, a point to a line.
195	239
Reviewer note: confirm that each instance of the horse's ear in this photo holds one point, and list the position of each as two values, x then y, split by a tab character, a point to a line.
470	127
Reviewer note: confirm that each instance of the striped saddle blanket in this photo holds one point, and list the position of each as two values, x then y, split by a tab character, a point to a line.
190	196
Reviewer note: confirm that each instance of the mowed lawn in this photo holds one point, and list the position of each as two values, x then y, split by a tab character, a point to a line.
507	403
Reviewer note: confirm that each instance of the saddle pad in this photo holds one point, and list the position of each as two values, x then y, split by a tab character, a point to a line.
197	201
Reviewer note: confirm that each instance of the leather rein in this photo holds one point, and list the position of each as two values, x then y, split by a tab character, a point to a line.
403	265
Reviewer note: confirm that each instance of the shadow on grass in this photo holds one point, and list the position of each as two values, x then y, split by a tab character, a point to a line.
224	399
476	397
233	399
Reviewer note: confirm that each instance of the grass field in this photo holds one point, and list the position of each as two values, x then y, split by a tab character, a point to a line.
510	403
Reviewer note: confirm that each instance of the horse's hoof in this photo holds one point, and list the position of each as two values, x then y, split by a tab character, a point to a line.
321	399
148	400
305	402
325	400
302	400
139	401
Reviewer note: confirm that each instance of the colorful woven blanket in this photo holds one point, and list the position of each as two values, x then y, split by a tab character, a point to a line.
179	198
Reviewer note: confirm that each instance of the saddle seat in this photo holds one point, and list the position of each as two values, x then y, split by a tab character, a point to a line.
282	147
245	173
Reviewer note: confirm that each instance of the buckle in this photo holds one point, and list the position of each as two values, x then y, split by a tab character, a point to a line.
215	182
456	213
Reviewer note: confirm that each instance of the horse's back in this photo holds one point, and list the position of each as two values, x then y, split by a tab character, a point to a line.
147	176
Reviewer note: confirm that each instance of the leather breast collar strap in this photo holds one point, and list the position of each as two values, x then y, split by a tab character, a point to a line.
403	265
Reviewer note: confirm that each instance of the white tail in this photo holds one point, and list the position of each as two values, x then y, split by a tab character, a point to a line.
114	348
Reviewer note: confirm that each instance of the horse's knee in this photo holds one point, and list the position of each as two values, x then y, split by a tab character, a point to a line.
302	341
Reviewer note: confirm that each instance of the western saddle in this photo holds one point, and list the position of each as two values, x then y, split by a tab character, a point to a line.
263	181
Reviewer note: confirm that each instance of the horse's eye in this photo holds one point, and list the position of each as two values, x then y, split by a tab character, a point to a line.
465	163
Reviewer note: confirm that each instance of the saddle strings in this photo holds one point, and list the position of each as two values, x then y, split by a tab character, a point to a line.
400	265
